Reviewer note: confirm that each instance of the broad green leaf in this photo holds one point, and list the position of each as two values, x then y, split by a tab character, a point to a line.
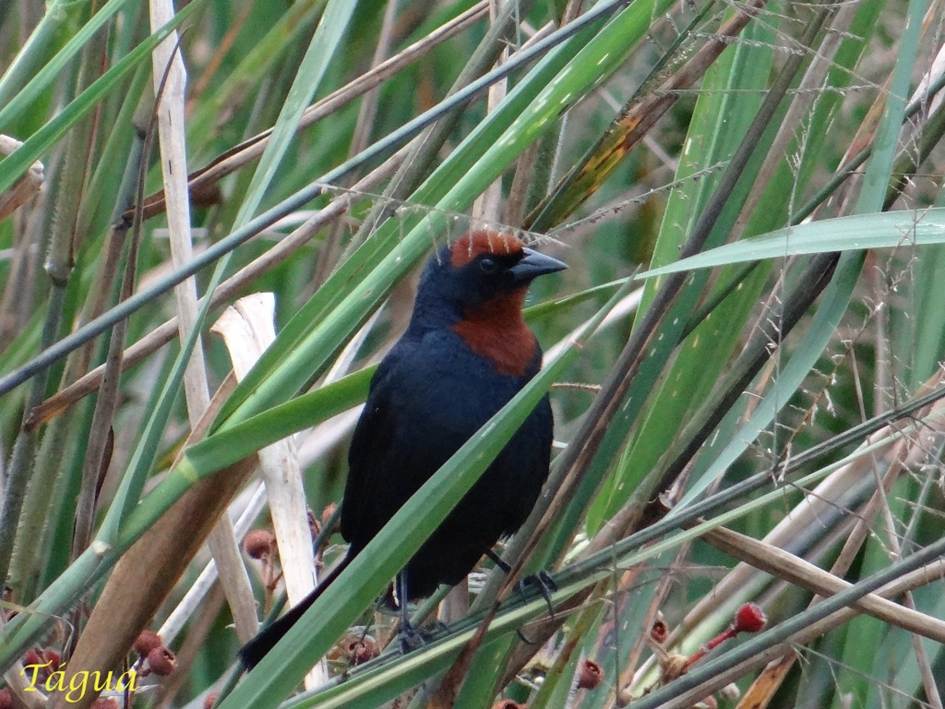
881	230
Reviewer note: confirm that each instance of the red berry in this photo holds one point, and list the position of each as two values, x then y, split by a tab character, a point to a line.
658	632
161	660
146	641
749	619
259	543
590	675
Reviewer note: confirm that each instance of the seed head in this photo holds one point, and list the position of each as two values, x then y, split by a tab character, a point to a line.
146	641
161	661
590	675
259	543
749	619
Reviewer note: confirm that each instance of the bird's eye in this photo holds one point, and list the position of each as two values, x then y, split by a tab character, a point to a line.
488	265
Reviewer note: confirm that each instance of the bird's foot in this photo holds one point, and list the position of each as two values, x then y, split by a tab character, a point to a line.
410	639
545	586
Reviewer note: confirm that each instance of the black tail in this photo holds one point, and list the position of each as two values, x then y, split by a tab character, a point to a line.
253	651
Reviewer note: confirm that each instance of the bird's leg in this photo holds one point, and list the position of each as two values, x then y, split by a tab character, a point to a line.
542	581
497	560
410	639
545	585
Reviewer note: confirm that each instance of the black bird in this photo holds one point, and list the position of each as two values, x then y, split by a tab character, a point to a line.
465	354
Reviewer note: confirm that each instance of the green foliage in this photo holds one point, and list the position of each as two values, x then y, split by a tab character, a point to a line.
692	391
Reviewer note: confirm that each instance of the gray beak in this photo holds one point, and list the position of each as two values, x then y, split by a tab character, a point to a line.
535	264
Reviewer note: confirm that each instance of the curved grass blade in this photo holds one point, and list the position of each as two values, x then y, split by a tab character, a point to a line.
837	297
854	233
733	89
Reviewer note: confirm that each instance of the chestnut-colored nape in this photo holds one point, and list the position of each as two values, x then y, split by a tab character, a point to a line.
483	241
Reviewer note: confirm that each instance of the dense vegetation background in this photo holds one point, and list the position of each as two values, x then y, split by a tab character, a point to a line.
743	357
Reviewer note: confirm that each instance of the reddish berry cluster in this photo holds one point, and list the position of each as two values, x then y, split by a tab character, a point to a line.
48	660
160	660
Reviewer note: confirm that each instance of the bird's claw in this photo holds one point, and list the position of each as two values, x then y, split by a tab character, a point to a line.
410	639
545	585
547	580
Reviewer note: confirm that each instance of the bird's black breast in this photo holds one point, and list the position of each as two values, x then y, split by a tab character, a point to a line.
428	397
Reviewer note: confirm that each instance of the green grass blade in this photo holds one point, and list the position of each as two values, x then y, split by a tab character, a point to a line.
864	634
732	95
259	61
233	444
854	233
323	47
142	459
34	147
14	106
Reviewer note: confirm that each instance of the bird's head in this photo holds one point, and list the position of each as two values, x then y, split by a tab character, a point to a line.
484	267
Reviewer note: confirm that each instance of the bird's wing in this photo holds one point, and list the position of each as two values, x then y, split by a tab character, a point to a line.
370	444
411	424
